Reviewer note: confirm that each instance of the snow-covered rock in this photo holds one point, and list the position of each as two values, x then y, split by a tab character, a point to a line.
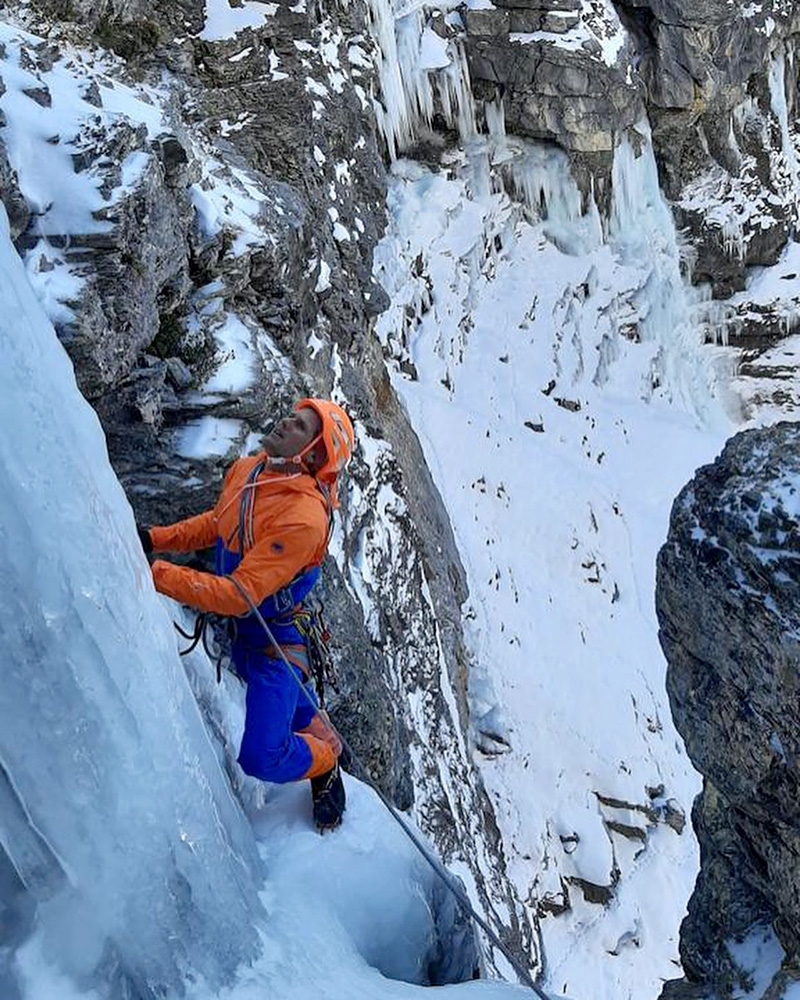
727	601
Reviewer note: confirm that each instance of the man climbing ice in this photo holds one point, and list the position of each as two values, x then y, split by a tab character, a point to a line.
270	527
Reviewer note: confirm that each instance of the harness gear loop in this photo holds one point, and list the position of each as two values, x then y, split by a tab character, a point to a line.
223	632
455	888
194	636
309	623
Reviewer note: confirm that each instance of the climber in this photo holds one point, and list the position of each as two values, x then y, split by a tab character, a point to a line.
270	527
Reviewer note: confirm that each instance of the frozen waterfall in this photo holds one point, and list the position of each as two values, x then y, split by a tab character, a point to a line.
114	814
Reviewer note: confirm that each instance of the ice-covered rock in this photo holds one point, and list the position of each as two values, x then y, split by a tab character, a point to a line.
106	240
561	73
717	99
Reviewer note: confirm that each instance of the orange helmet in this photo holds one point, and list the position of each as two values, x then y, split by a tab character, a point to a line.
337	436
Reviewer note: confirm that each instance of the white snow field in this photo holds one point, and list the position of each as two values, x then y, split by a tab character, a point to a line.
562	401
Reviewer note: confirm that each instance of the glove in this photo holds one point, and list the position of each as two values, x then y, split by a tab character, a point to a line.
145	539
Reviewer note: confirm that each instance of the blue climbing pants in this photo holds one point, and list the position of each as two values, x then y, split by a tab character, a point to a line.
276	710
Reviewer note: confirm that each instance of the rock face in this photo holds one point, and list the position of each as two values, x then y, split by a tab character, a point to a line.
549	93
16	209
315	152
718	89
728	602
133	274
553	88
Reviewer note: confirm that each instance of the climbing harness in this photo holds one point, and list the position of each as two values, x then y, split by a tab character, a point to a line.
217	634
311	626
460	896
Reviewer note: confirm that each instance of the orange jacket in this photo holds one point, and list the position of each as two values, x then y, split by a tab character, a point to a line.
290	533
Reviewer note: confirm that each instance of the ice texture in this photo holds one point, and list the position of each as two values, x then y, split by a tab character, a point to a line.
116	816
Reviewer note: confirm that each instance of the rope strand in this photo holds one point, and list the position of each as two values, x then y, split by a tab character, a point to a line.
460	896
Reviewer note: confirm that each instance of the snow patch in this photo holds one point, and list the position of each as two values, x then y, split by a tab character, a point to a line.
223	21
207	436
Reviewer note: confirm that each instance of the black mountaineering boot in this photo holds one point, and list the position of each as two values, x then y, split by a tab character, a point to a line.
327	791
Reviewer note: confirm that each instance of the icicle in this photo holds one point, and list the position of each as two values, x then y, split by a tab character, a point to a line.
391	110
410	81
541	177
733	241
495	114
777	91
717	321
456	93
641	230
416	80
420	72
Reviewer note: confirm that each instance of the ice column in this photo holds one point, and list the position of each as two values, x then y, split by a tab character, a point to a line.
777	90
540	177
415	67
116	815
642	233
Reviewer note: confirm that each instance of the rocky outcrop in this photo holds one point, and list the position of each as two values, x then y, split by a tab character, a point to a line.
685	45
135	271
713	85
719	91
728	602
128	27
318	141
315	152
553	88
555	94
16	209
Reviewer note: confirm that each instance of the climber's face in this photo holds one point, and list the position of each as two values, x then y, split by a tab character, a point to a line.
293	433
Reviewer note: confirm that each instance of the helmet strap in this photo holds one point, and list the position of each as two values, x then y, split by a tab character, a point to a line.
298	459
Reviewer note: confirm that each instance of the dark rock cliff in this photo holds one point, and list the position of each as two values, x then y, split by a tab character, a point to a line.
728	602
714	84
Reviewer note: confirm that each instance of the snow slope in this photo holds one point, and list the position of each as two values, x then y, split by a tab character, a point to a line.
562	400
